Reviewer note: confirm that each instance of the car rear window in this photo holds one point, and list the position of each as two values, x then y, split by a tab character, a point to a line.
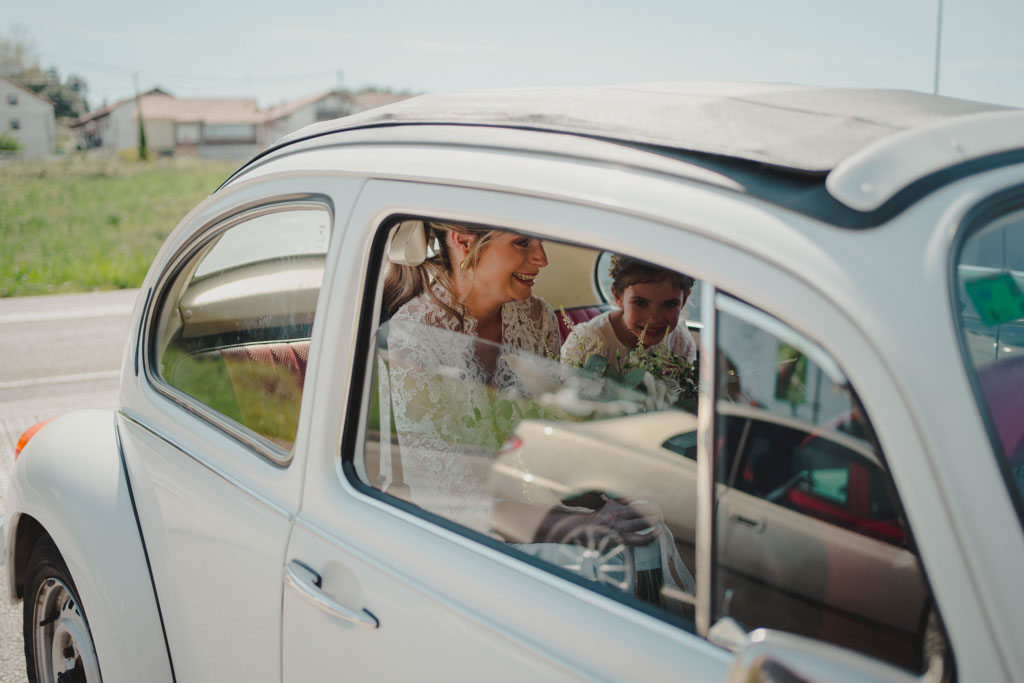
990	287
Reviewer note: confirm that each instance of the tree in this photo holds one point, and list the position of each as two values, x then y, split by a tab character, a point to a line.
19	61
143	147
17	52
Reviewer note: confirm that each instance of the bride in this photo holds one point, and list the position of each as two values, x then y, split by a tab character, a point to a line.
455	319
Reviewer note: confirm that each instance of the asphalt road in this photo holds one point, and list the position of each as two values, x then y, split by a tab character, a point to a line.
57	354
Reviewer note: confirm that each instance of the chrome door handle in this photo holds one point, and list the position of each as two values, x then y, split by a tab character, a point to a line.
307	583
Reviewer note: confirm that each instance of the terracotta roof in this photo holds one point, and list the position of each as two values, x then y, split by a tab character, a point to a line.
279	111
369	100
157	104
204	110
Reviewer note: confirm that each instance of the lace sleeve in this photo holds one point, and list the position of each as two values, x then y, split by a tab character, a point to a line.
436	392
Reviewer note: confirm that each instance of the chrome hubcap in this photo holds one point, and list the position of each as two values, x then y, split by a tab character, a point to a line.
64	652
602	557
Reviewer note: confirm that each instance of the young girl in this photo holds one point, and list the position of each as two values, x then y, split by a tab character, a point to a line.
649	302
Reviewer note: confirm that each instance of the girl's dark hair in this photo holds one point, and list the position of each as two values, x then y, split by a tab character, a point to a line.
626	271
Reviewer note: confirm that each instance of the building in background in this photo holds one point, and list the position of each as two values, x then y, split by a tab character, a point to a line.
209	128
27	117
212	128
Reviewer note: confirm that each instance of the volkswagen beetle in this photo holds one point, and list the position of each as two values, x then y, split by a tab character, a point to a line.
843	500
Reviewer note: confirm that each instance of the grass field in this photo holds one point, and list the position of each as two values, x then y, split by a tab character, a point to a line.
87	222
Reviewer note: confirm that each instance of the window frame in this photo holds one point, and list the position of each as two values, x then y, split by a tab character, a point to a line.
188	256
986	212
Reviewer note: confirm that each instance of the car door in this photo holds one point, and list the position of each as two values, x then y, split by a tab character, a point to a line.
380	584
392	581
208	430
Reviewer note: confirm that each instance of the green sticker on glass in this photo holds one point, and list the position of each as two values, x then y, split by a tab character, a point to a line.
997	299
791	375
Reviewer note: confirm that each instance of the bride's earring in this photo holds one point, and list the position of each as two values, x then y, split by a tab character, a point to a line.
464	265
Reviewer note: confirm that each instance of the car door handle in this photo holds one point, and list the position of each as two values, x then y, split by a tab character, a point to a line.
307	583
747	522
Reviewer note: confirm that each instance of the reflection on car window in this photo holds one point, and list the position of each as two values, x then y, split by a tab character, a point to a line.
233	329
809	534
564	466
990	284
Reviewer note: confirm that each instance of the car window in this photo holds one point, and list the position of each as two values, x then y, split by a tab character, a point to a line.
810	537
990	313
581	458
555	459
233	327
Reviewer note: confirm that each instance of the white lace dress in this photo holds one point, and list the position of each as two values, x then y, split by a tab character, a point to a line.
444	403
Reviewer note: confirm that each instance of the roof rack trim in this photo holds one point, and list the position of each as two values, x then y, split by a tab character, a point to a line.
872	176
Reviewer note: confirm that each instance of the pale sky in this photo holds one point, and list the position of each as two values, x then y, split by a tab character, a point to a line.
274	50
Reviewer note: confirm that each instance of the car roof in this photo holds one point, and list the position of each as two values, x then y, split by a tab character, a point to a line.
777	141
799	128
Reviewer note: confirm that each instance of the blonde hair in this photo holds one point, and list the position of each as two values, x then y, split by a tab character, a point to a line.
404	283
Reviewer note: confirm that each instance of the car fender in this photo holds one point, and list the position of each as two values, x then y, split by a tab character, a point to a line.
71	480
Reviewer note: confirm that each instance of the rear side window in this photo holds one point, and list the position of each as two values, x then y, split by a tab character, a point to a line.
234	324
990	312
809	533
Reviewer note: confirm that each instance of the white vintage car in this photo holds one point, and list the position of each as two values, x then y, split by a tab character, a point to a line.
845	502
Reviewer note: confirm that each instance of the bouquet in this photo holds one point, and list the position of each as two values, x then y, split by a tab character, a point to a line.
665	378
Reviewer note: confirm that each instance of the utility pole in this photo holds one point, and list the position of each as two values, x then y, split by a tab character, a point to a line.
938	48
143	147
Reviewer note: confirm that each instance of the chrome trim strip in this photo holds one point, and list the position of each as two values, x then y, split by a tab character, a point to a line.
244	436
170	441
705	526
263	447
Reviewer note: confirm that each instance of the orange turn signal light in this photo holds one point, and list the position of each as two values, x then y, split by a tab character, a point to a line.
29	433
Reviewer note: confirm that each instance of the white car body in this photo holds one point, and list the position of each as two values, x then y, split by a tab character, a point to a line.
187	537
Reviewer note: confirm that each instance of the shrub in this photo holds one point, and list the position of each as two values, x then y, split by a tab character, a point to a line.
9	143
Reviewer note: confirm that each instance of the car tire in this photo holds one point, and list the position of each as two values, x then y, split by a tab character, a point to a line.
58	643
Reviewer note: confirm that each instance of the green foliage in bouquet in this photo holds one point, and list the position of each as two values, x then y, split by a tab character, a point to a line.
667	379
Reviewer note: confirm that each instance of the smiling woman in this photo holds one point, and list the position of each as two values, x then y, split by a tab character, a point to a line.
475	283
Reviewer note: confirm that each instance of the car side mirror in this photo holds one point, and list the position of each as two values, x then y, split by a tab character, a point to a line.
767	655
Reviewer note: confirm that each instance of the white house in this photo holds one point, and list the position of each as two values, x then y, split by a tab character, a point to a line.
287	117
212	128
284	118
28	117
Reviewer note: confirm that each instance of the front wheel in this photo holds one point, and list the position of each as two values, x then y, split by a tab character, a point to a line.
58	643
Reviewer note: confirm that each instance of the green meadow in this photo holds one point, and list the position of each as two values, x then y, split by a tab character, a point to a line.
88	222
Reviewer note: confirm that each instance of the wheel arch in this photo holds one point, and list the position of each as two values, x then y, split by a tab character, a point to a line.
70	484
26	534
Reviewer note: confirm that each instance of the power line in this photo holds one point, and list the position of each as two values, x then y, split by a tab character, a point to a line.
277	78
938	47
